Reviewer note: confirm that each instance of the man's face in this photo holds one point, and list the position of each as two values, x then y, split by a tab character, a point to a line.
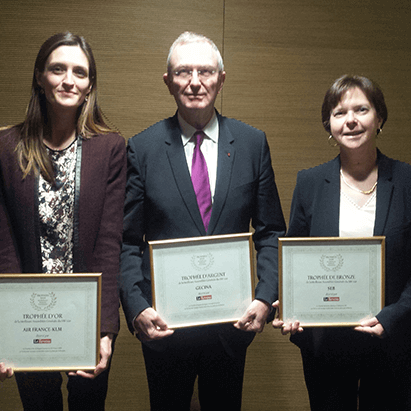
193	78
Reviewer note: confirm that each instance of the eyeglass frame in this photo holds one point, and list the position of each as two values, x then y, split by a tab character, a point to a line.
189	73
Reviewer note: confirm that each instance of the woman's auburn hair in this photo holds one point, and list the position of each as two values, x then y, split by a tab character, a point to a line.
32	156
334	94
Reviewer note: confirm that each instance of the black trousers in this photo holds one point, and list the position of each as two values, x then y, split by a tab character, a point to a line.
41	391
214	354
347	366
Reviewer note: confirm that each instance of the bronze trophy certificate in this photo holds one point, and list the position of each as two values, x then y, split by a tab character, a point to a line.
50	322
202	280
331	281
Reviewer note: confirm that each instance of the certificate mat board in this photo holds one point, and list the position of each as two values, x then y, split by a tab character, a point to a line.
202	280
331	281
50	322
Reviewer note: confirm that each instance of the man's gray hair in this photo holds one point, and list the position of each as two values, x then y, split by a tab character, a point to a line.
189	37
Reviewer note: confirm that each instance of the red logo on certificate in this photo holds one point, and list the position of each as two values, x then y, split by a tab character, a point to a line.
42	341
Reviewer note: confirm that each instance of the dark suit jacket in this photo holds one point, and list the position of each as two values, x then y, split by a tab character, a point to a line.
100	193
161	203
315	212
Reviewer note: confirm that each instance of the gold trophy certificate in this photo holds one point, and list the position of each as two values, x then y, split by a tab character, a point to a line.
202	280
50	322
331	281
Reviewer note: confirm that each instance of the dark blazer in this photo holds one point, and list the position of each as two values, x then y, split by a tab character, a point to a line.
98	216
161	203
315	212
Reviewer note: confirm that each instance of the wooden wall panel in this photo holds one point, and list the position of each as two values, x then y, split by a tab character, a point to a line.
280	58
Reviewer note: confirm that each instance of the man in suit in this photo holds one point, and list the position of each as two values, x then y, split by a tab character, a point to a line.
161	203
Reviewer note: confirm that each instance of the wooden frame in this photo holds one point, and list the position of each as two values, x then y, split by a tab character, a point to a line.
202	280
50	322
331	281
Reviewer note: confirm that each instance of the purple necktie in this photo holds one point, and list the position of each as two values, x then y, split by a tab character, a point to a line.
201	183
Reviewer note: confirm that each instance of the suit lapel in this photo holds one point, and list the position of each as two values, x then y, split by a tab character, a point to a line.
178	163
329	202
225	161
384	194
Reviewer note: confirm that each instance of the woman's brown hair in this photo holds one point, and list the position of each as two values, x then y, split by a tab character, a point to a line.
31	153
334	94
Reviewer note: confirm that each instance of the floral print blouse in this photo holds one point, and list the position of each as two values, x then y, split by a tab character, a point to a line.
56	210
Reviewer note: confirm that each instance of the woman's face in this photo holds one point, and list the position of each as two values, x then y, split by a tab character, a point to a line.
65	79
354	121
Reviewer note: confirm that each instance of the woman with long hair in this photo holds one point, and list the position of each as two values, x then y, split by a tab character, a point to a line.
62	188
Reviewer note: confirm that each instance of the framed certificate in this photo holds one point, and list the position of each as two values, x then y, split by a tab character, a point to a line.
202	280
331	281
50	322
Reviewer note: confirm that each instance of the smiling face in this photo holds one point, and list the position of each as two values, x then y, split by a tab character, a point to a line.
193	91
65	79
354	121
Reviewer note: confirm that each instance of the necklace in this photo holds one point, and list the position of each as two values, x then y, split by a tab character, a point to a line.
66	145
357	189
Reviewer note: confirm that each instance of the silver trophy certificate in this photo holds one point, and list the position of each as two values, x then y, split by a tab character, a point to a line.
50	322
331	281
202	280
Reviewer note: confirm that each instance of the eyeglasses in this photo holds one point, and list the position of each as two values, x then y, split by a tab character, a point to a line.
203	73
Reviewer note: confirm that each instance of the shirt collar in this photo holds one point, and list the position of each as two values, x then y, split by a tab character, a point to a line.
210	130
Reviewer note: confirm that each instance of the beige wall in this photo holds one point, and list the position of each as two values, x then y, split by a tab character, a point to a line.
280	58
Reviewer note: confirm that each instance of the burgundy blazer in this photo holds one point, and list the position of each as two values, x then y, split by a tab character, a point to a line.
98	215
